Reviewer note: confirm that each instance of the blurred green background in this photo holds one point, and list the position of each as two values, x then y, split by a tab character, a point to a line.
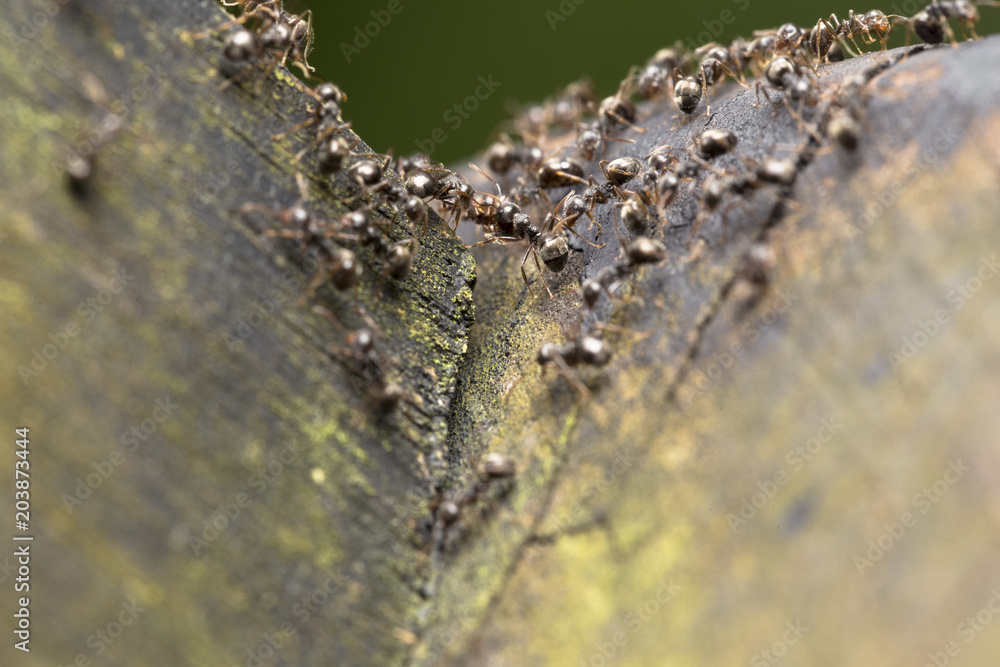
429	55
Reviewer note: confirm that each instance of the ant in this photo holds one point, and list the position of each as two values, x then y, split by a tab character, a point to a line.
634	214
305	227
559	172
758	264
873	26
326	115
718	61
819	39
447	508
593	137
274	32
687	94
931	23
660	73
81	161
341	265
577	99
383	394
504	154
505	223
757	51
785	74
615	110
585	349
715	142
396	257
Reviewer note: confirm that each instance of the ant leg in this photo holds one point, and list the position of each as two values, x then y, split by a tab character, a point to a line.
524	276
577	234
295	128
538	265
329	316
260	208
306	68
695	227
625	122
738	78
801	122
286	233
489	178
336	127
704	90
951	35
607	326
850	52
614	219
570	376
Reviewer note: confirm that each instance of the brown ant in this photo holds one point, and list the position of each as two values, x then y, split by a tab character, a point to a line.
396	257
759	49
585	349
687	94
559	172
326	116
931	23
273	32
715	142
773	171
504	154
758	264
873	25
304	226
577	99
819	39
636	217
448	507
594	137
505	223
341	266
717	62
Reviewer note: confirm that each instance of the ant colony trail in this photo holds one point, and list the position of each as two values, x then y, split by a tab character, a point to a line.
593	192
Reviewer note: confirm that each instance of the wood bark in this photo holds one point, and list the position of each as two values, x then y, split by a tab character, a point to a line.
741	453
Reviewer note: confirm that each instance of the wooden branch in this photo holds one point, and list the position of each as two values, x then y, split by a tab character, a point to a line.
198	449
